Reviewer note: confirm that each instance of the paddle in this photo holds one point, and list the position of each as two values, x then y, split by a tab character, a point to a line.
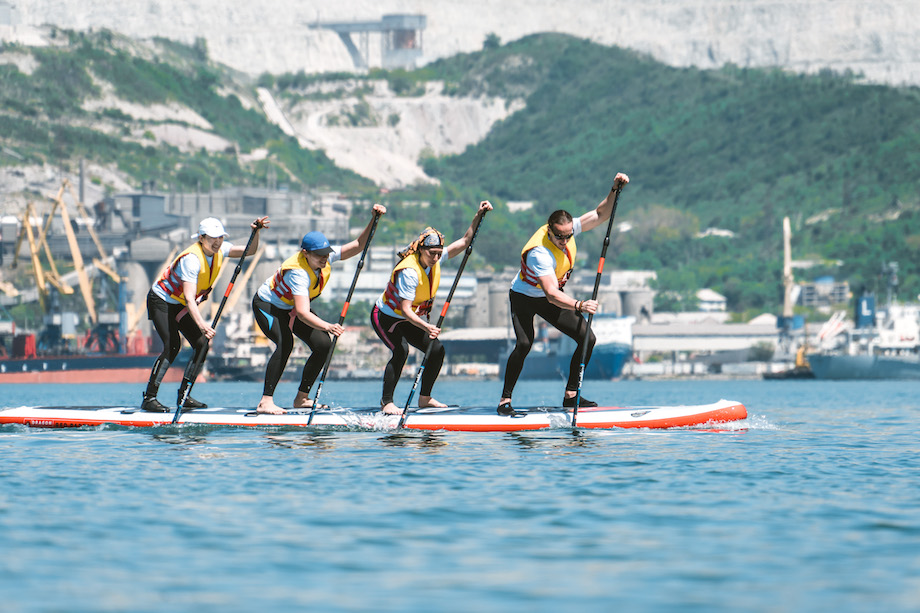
450	295
335	339
597	283
199	359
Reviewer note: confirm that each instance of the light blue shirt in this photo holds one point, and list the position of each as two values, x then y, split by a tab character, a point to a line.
541	261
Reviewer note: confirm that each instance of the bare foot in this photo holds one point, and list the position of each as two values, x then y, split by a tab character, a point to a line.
391	409
427	401
302	401
270	407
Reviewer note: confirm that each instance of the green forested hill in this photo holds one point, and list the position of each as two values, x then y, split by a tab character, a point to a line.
735	149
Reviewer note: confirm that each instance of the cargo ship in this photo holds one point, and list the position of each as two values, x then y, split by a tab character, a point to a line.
21	361
883	344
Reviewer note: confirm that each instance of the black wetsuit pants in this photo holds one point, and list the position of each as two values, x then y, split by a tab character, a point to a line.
169	320
276	324
570	323
397	335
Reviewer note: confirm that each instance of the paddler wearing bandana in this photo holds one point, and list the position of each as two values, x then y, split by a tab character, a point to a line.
401	315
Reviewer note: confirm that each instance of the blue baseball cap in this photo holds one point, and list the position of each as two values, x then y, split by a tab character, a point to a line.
316	242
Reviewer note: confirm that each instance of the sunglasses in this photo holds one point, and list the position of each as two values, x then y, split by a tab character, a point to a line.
562	237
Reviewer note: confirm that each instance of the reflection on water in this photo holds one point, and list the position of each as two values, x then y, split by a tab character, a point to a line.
534	441
406	438
180	437
322	440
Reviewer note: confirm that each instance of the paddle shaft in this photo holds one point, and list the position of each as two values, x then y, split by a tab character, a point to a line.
335	339
597	284
450	295
199	357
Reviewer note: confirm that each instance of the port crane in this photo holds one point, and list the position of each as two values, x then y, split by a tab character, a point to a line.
38	244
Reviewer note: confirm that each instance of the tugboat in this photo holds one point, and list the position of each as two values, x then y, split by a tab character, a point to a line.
801	370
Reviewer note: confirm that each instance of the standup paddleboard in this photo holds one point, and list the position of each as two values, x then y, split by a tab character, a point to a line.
473	419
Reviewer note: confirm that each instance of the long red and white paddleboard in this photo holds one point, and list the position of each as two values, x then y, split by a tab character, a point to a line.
472	419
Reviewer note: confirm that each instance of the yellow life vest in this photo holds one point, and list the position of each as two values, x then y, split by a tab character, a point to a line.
565	261
172	284
424	292
299	260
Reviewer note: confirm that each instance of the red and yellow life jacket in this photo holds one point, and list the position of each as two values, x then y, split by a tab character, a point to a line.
299	260
424	292
565	261
172	284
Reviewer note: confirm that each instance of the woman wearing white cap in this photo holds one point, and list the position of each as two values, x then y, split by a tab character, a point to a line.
282	310
397	315
172	302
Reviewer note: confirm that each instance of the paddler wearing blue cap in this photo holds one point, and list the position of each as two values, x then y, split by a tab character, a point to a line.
397	314
282	310
172	303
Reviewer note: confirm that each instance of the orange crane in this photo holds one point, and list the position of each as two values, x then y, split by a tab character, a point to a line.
42	277
36	243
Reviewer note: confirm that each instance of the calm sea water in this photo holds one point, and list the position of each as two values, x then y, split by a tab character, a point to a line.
811	504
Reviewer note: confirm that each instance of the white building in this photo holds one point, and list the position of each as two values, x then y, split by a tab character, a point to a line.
710	301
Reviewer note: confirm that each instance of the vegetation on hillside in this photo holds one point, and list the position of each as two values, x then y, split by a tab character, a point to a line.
43	115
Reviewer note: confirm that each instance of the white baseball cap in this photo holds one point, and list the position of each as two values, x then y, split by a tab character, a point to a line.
210	227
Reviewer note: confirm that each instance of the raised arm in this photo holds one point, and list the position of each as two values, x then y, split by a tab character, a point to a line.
599	215
463	242
237	250
356	246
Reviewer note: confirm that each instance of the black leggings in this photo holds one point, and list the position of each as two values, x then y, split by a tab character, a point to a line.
570	323
169	320
397	335
276	324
